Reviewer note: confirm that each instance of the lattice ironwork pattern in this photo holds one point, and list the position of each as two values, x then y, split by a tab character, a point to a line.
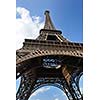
50	59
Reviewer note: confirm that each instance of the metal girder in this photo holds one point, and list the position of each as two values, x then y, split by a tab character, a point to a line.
49	60
30	82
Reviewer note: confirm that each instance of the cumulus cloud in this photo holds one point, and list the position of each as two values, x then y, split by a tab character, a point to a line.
41	90
26	26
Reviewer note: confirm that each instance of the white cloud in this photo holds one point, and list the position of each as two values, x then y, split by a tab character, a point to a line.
56	99
41	90
26	26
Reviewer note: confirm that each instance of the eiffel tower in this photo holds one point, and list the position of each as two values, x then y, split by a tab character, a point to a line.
50	59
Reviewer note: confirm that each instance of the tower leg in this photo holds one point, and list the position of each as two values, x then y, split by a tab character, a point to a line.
26	86
67	90
72	86
67	77
75	88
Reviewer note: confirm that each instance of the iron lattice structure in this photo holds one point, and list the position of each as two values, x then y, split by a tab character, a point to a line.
50	59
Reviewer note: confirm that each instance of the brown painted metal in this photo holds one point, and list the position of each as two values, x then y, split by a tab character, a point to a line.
49	59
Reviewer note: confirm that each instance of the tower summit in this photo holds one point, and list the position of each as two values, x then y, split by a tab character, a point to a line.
49	32
48	23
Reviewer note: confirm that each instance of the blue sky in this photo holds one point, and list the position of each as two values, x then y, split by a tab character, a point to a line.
67	16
